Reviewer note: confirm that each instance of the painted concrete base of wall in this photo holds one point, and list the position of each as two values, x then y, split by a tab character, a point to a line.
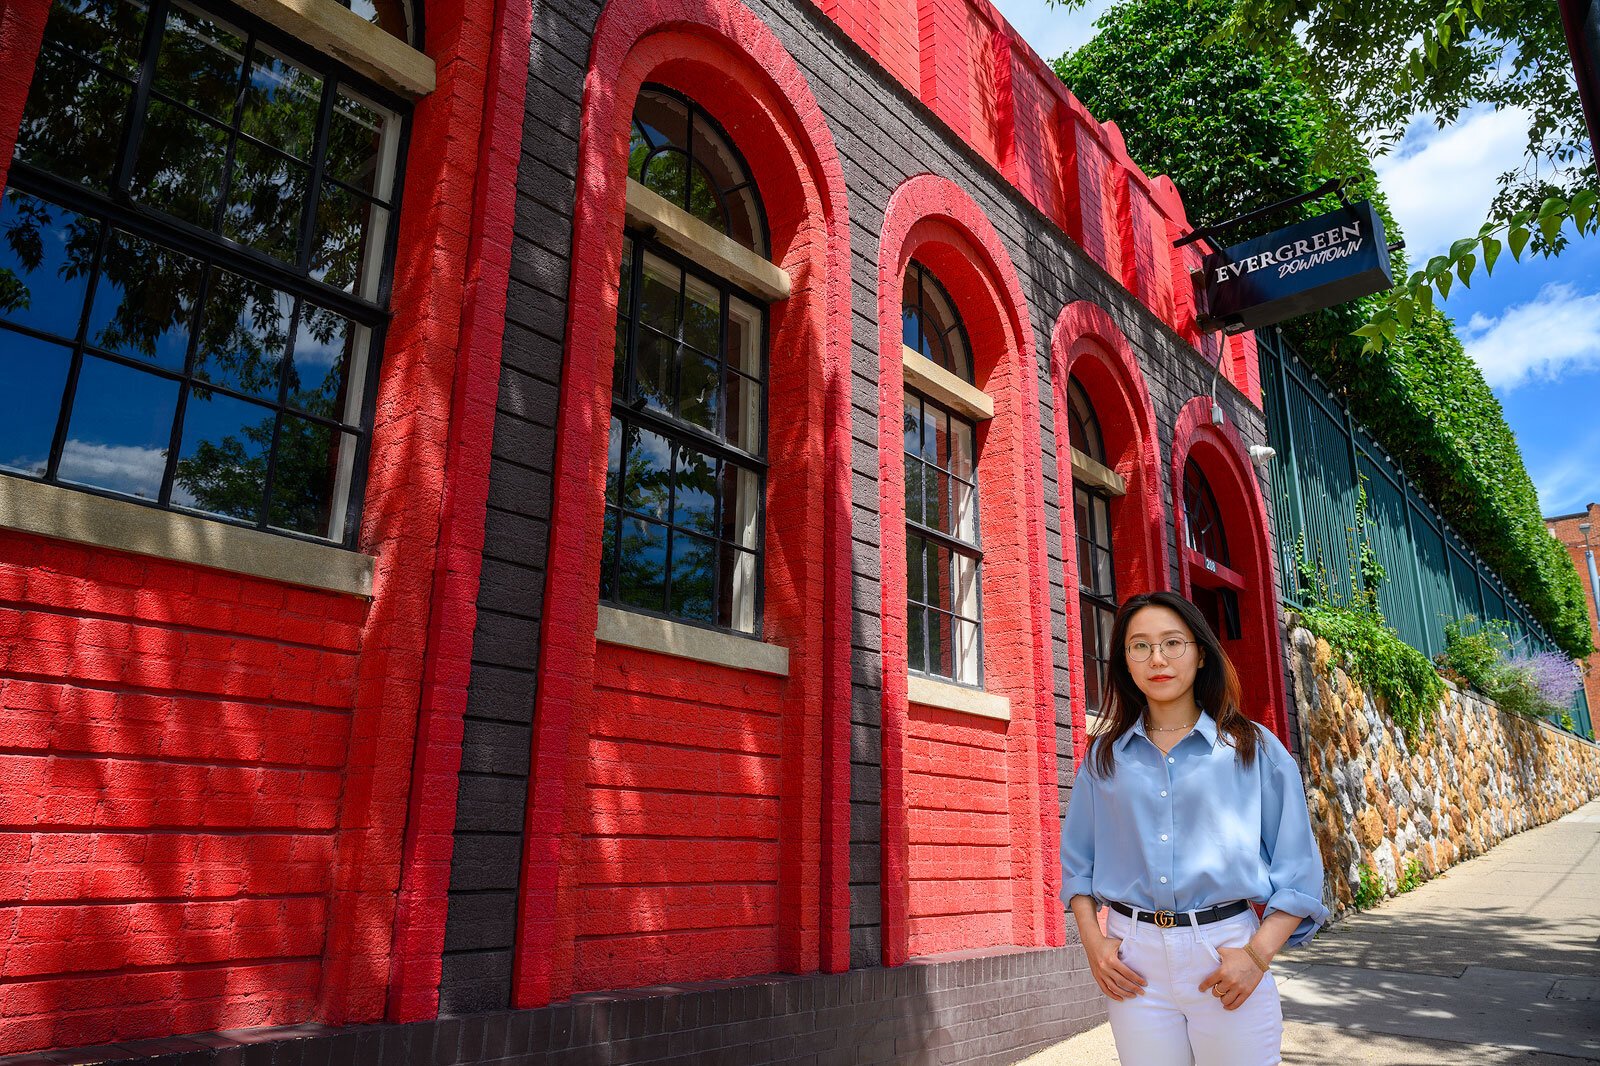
1474	777
977	1007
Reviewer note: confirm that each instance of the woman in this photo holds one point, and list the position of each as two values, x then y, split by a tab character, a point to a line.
1183	813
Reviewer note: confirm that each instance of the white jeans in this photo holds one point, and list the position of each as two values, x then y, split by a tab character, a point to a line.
1174	1023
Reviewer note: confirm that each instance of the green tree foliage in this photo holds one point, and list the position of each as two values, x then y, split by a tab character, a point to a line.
1388	61
1238	126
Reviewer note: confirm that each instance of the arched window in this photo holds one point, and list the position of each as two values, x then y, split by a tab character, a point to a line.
930	325
1202	521
943	552
678	152
1216	593
686	479
1097	585
194	265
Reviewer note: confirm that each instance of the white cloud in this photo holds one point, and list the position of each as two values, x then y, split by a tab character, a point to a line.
1440	183
1556	332
119	467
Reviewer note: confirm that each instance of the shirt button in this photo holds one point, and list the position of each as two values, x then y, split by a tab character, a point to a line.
1163	880
1171	759
1163	836
1163	793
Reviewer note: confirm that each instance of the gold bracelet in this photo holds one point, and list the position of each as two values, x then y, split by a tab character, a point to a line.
1257	959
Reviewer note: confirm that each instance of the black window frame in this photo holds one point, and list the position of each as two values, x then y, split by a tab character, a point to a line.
925	313
936	538
693	110
116	210
1096	503
626	408
1200	502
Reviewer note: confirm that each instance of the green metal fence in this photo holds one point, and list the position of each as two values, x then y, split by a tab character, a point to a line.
1433	576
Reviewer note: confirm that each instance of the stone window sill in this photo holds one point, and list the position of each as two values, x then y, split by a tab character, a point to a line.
645	632
716	252
1099	475
84	518
941	386
927	692
333	29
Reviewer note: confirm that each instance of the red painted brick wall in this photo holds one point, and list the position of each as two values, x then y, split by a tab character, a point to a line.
207	784
994	92
730	62
680	823
958	811
170	785
946	774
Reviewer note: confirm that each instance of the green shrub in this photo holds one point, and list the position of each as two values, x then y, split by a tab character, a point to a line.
1515	691
1412	877
1567	723
1370	888
1474	658
1381	662
1483	660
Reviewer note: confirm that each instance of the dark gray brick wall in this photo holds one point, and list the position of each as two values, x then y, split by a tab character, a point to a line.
884	135
480	927
989	1010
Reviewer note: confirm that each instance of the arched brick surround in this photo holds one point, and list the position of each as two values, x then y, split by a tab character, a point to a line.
1088	346
1222	457
722	56
933	220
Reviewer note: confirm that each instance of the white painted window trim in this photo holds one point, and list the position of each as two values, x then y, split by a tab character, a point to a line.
336	31
716	252
84	518
941	386
927	692
1099	475
629	629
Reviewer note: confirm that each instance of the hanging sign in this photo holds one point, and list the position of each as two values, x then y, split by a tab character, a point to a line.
1331	259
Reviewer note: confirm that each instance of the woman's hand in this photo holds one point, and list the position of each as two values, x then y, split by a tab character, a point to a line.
1116	978
1234	980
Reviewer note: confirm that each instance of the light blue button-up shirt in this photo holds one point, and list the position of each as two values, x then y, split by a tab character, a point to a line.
1193	828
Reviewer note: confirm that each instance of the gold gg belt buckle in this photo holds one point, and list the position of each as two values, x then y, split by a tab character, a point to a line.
1166	919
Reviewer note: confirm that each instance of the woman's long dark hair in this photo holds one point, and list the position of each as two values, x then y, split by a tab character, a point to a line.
1216	684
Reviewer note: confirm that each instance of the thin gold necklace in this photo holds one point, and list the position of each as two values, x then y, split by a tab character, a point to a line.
1148	728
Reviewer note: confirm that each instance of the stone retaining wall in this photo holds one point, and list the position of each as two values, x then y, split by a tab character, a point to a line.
1475	776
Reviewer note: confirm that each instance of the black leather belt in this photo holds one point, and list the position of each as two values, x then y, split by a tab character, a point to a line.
1168	919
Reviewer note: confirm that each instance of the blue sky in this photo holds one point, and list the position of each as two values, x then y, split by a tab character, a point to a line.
1533	328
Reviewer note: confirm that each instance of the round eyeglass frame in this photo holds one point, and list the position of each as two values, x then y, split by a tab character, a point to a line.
1150	650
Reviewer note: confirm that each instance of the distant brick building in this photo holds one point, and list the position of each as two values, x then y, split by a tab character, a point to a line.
1582	544
504	507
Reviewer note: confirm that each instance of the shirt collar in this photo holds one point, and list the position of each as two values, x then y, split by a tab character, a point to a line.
1206	727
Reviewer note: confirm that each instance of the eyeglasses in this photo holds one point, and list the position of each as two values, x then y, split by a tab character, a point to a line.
1171	648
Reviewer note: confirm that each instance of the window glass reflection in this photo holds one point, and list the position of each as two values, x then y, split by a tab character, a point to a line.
200	63
145	301
120	430
194	378
46	257
74	120
244	335
35	373
222	465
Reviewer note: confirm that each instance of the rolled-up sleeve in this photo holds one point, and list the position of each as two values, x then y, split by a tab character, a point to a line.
1077	840
1294	862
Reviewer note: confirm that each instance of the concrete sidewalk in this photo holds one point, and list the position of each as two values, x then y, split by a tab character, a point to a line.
1494	963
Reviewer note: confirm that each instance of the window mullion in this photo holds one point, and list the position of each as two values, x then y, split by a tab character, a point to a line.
58	443
155	23
319	155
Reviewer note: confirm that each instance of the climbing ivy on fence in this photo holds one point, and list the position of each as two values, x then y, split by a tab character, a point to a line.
1237	129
